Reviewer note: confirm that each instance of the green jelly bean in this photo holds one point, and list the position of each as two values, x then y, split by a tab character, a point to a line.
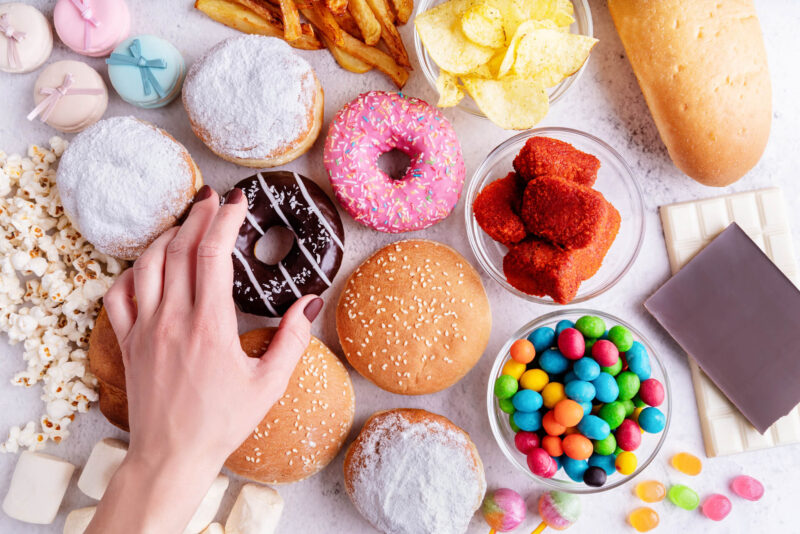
507	406
589	344
612	413
590	326
617	450
628	383
638	403
505	386
511	422
606	446
683	497
629	407
614	369
621	337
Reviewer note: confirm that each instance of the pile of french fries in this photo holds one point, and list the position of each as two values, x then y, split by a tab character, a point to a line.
360	34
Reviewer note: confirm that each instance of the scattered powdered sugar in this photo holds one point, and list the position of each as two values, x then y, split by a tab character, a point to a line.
416	478
120	180
252	96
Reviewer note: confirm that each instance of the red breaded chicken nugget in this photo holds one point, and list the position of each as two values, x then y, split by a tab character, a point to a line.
563	212
497	210
544	155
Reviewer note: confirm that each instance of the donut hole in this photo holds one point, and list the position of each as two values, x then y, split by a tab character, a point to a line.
394	163
274	245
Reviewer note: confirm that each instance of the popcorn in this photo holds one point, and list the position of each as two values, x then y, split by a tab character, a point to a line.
51	281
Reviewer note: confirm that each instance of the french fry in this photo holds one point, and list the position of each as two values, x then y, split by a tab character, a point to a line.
292	30
348	24
368	54
326	22
403	10
345	60
238	17
366	21
389	33
337	7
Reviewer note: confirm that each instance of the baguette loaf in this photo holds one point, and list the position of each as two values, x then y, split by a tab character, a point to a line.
702	67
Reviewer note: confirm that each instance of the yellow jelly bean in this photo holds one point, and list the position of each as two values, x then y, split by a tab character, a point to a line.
636	413
626	462
643	519
552	393
687	463
534	379
651	491
513	368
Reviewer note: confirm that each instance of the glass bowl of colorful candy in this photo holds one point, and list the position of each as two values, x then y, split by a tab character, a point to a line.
579	401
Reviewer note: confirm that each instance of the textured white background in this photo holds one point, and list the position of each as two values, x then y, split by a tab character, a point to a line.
606	102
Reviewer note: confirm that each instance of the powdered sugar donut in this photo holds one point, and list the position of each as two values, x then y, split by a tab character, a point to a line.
375	123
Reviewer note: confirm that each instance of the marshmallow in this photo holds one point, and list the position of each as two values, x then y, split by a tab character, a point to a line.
37	488
78	520
214	528
208	506
257	510
103	462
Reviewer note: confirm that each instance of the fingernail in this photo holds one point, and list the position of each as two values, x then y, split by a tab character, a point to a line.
313	308
234	196
203	194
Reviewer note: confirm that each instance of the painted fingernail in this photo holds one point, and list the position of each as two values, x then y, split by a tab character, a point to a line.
313	308
203	194
234	196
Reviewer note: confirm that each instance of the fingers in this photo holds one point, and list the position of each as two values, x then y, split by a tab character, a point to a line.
214	262
148	274
120	306
179	272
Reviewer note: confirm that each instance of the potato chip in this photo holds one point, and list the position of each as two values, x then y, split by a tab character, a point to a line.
523	30
450	93
483	25
513	104
551	55
439	29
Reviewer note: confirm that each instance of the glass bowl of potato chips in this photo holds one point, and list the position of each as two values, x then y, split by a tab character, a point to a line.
506	60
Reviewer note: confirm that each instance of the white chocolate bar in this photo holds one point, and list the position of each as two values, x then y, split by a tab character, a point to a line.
37	487
103	462
257	510
690	226
208	506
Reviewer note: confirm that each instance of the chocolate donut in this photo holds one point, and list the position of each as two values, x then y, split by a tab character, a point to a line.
299	205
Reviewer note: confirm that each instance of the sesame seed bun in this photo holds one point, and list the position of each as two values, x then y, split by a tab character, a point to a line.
414	317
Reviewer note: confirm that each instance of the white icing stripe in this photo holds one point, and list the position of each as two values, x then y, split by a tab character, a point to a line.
313	263
254	223
323	221
253	281
289	280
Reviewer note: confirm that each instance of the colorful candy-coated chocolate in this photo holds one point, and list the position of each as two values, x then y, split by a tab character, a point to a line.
505	386
651	392
716	507
551	426
628	435
626	462
612	413
651	491
687	463
563	325
580	390
605	462
577	446
552	444
568	412
621	337
643	519
528	421
512	424
553	362
605	353
683	497
513	368
590	326
571	344
552	393
503	509
607	446
534	379
92	27
522	351
587	407
652	420
559	510
606	389
593	427
629	407
506	405
638	360
574	468
586	369
595	476
614	369
628	384
569	376
526	400
747	487
540	463
542	338
526	441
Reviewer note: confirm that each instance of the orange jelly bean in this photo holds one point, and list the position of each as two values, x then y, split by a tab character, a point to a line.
522	351
551	426
687	463
651	491
552	444
643	519
577	446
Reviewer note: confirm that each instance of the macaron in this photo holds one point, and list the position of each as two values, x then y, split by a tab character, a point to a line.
69	96
25	38
92	27
146	71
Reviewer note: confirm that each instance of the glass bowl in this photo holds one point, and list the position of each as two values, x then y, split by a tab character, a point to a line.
498	420
583	25
615	181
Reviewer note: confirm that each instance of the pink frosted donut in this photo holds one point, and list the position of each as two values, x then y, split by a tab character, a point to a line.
375	123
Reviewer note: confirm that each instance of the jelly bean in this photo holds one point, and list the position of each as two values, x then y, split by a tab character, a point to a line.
621	337
571	344
617	451
637	401
628	384
652	420
571	430
558	461
595	476
606	389
551	426
570	376
638	360
526	441
651	491
529	421
506	405
574	468
580	390
568	412
626	462
526	400
687	463
612	413
540	463
605	353
563	325
607	446
522	351
586	369
716	507
577	446
747	487
542	338
629	407
683	497
553	362
593	427
628	435
505	386
552	393
589	344
552	444
513	368
534	379
636	413
590	326
512	424
651	392
587	407
605	462
614	369
643	519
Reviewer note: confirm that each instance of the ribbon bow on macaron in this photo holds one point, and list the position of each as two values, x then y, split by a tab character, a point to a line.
13	36
136	59
88	21
54	94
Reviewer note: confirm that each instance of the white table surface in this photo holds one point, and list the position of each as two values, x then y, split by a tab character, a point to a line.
606	102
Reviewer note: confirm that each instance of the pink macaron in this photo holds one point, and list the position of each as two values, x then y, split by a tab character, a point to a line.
92	27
